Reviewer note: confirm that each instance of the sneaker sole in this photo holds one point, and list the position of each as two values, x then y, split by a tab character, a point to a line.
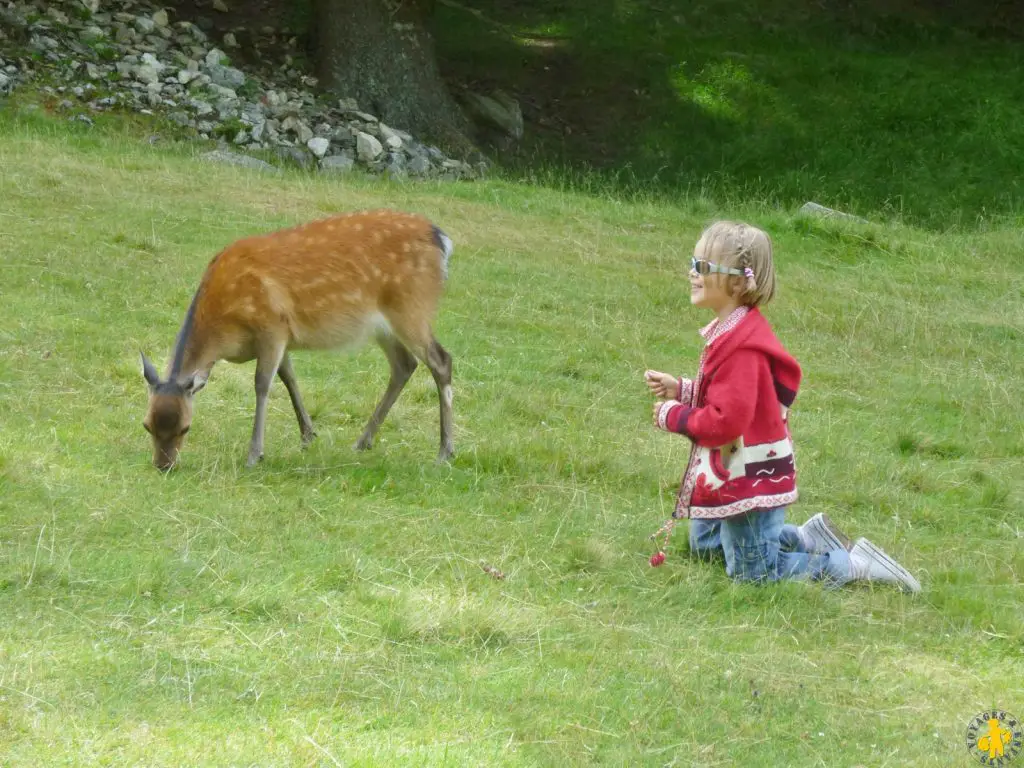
906	582
825	530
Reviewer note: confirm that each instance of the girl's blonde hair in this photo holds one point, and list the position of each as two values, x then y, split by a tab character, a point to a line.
741	246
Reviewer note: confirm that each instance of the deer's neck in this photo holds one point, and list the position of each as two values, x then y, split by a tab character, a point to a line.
188	346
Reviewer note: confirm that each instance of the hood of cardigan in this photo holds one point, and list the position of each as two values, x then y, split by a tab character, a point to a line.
753	332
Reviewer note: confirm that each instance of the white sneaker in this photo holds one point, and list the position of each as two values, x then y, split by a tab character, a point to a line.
869	563
819	535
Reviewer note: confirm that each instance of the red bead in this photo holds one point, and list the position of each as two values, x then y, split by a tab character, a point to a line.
657	559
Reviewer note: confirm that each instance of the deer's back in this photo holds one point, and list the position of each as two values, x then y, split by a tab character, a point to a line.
322	284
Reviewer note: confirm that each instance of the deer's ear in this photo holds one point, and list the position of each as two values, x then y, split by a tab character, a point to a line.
148	371
194	382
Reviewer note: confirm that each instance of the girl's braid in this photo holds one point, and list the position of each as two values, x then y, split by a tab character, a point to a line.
745	263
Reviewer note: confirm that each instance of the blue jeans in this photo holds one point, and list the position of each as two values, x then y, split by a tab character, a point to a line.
761	547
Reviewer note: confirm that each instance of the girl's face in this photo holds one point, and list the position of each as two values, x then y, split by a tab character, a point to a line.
709	291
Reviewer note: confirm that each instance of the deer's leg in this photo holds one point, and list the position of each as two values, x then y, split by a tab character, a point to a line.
287	375
267	362
440	364
403	363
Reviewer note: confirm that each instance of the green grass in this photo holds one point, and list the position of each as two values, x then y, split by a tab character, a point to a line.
328	608
874	107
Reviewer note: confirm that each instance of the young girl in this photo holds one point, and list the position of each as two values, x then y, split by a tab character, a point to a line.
741	475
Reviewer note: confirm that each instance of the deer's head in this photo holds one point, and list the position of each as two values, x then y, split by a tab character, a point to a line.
169	415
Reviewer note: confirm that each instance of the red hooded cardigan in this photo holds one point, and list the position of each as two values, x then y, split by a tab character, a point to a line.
736	415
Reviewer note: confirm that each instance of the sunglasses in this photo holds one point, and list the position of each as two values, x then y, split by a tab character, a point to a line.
702	267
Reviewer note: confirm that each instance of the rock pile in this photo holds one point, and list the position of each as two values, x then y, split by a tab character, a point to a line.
131	55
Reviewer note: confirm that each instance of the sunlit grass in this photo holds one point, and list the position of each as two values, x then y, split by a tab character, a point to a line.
331	608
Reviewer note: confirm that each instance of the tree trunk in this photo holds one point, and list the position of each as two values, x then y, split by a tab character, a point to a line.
380	53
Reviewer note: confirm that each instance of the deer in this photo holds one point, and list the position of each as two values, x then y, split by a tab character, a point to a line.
326	284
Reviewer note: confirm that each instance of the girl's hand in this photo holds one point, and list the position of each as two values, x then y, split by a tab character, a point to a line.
662	385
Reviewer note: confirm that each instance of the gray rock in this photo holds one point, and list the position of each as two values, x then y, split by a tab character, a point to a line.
396	165
186	76
144	25
390	137
124	35
318	146
814	209
219	5
499	110
215	57
6	82
368	148
201	107
160	18
222	92
92	34
153	61
243	161
181	119
338	164
420	166
230	41
145	73
293	125
229	77
295	156
92	71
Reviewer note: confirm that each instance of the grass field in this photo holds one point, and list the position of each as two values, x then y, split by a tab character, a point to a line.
329	608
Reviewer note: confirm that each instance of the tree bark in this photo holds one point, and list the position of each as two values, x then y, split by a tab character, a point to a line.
380	53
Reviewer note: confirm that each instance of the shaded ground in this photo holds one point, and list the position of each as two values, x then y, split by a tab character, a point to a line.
885	108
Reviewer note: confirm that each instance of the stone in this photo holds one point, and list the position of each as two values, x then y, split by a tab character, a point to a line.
151	60
215	56
186	76
293	125
390	137
124	35
337	164
499	110
181	119
160	18
229	77
145	73
144	25
230	41
243	161
814	209
318	146
92	34
420	166
368	148
219	5
396	165
295	156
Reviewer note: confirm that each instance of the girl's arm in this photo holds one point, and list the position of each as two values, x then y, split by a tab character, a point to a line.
728	405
